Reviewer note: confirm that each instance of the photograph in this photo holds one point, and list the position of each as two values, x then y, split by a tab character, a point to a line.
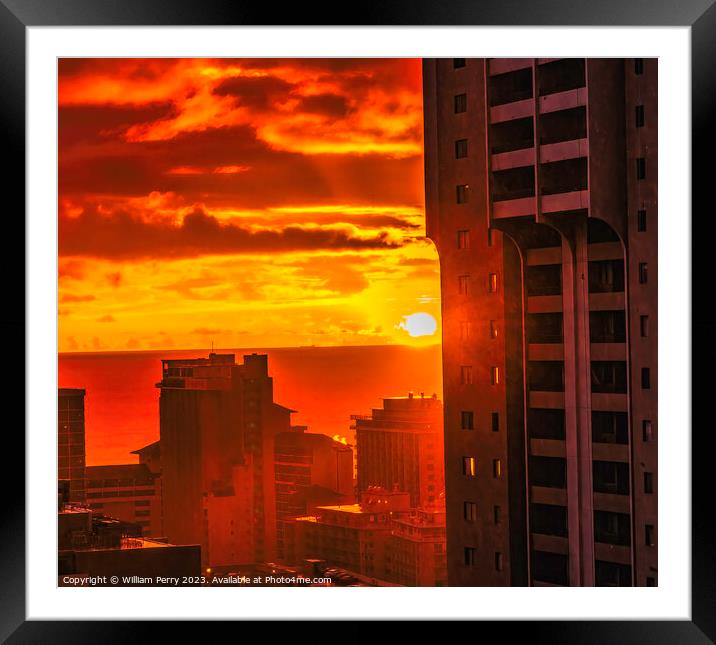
357	322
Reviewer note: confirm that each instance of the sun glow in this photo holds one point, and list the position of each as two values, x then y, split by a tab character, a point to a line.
418	324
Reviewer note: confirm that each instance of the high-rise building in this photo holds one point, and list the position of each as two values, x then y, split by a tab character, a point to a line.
541	198
311	470
71	440
352	536
400	446
129	492
415	552
217	426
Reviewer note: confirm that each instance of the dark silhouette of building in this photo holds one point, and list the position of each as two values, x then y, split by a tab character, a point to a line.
93	545
401	446
217	427
71	440
541	197
311	470
151	455
130	492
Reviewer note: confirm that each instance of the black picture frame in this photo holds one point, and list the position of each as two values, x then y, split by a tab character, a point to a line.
700	15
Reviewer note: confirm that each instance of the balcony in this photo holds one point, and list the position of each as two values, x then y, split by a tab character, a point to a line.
610	452
504	65
563	100
544	304
547	400
511	111
611	502
549	255
513	159
572	201
514	208
550	543
547	448
608	351
564	150
546	352
609	402
612	553
606	301
552	496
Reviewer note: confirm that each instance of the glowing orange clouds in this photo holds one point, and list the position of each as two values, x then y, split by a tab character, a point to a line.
273	202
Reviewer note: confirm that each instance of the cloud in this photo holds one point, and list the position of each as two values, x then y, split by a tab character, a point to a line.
106	319
122	235
69	297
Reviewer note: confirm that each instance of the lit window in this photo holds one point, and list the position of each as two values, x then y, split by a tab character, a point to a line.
643	272
461	193
493	329
457	63
466	374
496	468
460	103
649	483
469	467
470	556
460	148
639	116
649	538
640	168
470	511
644	325
495	421
646	429
467	420
463	239
494	375
492	282
463	283
641	220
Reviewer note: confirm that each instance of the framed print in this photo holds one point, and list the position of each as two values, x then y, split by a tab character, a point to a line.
404	306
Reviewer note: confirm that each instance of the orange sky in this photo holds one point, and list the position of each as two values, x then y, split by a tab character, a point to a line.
252	203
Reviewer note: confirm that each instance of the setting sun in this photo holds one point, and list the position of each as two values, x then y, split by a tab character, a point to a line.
419	324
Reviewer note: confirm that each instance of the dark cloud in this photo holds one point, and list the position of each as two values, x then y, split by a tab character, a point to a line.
330	105
257	93
125	236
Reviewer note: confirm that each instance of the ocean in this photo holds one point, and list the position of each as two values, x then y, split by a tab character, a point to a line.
324	384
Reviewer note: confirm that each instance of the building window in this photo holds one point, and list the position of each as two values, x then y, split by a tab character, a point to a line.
465	328
643	272
497	514
641	220
469	467
494	375
490	237
639	116
646	429
463	284
466	374
492	282
463	239
461	193
467	420
640	168
460	103
649	483
644	326
470	511
461	149
496	468
470	556
457	63
493	329
495	421
645	378
498	561
649	535
638	65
